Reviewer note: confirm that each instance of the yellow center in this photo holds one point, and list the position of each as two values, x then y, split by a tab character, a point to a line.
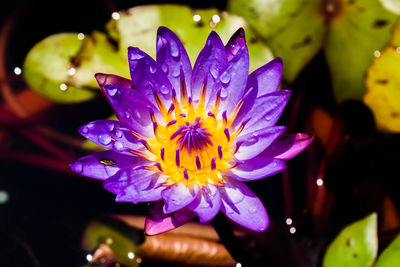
193	146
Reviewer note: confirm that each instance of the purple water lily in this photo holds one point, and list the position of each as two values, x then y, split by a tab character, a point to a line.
186	138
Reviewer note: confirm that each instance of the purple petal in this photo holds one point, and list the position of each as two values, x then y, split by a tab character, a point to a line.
266	79
207	203
148	77
209	64
111	135
136	185
252	144
178	196
288	146
109	79
172	57
157	222
132	109
103	164
234	44
264	113
233	80
256	168
242	206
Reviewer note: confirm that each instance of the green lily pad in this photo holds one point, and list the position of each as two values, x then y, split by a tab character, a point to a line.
293	29
355	246
122	239
46	68
349	32
300	40
138	27
62	66
383	90
390	257
268	17
360	29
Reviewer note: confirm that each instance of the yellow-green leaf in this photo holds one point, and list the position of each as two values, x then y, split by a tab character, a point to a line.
390	257
383	89
355	246
138	27
358	30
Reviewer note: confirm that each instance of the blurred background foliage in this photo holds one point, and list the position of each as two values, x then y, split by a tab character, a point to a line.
342	61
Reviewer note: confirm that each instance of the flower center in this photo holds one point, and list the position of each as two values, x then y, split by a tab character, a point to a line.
192	146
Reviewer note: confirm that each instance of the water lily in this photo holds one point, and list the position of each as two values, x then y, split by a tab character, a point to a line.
186	138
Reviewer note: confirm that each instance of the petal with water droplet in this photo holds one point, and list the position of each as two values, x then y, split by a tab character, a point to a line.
264	112
209	64
178	196
171	55
103	164
144	80
248	212
136	185
111	135
252	144
266	79
255	168
132	109
207	203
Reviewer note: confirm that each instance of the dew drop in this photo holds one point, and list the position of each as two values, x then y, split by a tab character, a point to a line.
105	139
109	126
152	69
127	115
84	129
224	93
112	91
118	133
214	71
77	167
176	72
255	134
164	68
225	77
174	49
138	115
164	89
118	145
135	56
252	210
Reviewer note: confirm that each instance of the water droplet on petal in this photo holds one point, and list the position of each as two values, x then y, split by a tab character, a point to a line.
77	167
109	126
84	129
224	93
164	89
138	115
112	91
252	210
174	49
127	115
164	68
176	72
118	145
214	71
118	133
225	77
152	69
136	56
105	139
255	134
